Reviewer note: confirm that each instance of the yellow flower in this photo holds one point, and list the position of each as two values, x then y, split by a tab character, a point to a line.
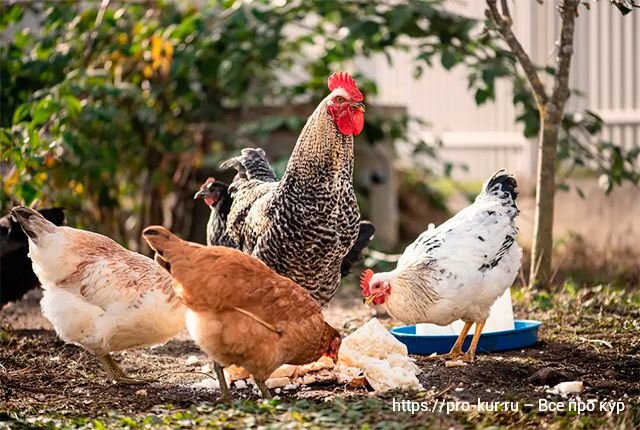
123	38
161	53
79	188
10	180
41	177
147	71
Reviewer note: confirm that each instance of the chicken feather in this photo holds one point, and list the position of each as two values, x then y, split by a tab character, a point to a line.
97	294
240	311
459	269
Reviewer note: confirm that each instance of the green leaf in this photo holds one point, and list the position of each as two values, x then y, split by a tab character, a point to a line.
399	16
448	60
21	113
481	96
73	106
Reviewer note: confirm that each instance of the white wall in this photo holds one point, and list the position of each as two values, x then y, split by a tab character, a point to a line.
606	65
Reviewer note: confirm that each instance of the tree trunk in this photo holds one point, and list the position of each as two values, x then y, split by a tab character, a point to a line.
550	119
541	249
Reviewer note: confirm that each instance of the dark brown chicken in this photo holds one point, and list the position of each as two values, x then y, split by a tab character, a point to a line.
240	311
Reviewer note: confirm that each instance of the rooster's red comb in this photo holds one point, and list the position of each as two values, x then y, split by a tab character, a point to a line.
364	281
345	81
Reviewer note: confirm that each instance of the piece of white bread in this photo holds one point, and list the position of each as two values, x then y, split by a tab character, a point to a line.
382	358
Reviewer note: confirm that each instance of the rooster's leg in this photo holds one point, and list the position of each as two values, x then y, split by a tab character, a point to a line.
117	374
266	394
224	389
471	353
456	350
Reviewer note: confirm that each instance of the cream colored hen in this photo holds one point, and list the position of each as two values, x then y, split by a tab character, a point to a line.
99	295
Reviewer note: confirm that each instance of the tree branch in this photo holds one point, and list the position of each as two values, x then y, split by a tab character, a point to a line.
561	92
94	34
503	25
505	12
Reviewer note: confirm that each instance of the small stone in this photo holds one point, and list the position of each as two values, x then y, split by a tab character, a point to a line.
569	387
142	393
454	363
547	376
277	382
192	360
240	384
290	387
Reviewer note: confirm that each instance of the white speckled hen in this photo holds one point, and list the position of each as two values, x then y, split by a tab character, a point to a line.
304	225
457	270
99	295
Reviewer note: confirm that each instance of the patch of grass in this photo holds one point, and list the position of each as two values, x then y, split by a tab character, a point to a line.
588	334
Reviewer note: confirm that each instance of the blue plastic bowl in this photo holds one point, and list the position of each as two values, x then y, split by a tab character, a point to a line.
523	335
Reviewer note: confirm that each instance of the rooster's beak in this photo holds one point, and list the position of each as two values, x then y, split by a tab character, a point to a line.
369	299
198	195
359	106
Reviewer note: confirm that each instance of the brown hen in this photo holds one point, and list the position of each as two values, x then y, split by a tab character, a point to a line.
242	312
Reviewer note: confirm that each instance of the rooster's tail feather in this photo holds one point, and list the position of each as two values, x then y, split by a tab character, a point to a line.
251	164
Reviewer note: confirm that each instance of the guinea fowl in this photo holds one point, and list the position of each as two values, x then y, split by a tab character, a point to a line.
16	273
240	311
304	225
99	295
457	270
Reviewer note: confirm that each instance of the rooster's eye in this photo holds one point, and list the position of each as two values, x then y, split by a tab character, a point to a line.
339	99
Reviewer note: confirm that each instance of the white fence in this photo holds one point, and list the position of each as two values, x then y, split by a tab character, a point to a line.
606	66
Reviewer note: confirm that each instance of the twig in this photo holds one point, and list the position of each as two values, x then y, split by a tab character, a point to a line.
555	272
503	24
596	342
94	34
534	275
440	393
561	92
505	12
522	279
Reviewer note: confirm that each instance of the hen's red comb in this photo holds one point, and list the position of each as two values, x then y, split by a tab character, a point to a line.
345	81
210	180
364	281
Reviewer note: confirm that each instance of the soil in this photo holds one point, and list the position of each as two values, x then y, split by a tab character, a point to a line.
582	339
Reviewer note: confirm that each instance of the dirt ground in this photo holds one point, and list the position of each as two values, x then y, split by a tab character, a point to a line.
592	335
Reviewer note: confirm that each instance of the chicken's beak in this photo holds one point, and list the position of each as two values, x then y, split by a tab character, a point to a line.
359	106
369	299
198	195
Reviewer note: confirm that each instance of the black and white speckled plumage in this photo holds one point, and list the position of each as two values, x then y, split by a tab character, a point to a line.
458	270
304	225
217	225
251	164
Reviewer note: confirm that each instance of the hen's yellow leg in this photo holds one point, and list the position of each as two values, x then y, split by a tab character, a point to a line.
456	350
471	353
224	389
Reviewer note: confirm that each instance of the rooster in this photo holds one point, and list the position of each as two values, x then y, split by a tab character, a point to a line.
240	311
457	270
304	225
99	295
